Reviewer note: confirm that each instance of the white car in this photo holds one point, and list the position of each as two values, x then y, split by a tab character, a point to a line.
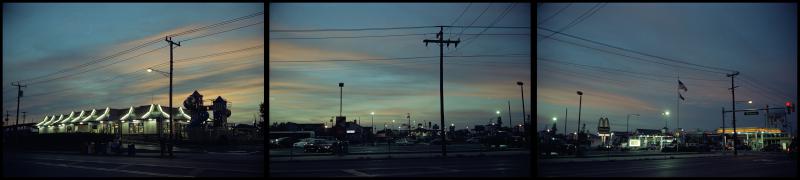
303	142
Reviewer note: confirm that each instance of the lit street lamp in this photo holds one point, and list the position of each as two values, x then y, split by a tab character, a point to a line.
167	74
522	93
580	100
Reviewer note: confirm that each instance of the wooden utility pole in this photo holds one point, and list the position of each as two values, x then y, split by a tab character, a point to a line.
441	42
19	94
171	128
733	105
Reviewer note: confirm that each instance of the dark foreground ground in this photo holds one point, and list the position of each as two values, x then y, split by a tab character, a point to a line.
752	165
487	166
50	164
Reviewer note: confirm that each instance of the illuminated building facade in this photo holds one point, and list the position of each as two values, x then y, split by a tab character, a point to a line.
132	120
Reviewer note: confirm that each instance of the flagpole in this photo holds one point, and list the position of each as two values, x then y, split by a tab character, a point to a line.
678	111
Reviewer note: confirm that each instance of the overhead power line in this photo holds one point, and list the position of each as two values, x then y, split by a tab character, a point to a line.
151	42
352	29
495	21
459	17
719	70
577	20
476	19
630	72
395	35
401	58
554	15
134	73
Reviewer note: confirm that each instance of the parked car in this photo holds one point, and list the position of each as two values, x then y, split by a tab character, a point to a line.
474	140
772	148
302	143
404	142
319	145
281	142
669	148
517	142
568	149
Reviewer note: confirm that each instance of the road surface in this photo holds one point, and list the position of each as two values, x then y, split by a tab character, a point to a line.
756	165
494	166
16	164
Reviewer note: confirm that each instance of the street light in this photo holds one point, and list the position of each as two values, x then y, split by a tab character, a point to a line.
580	100
167	74
522	93
373	122
341	84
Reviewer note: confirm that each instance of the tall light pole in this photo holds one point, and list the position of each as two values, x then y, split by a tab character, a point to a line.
340	98
166	74
580	100
498	113
627	126
666	118
523	99
373	122
579	134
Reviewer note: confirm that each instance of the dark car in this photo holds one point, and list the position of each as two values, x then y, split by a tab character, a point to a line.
669	148
319	145
567	149
282	142
516	141
772	148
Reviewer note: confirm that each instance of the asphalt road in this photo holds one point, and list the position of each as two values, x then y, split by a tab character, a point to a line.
496	166
383	148
757	165
183	165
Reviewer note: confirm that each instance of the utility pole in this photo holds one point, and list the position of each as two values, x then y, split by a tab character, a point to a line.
19	94
724	138
171	128
733	101
566	112
441	42
23	117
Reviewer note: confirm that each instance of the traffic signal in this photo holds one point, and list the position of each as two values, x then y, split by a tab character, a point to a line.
789	107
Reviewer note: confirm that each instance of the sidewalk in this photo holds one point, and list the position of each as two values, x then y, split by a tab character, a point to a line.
398	156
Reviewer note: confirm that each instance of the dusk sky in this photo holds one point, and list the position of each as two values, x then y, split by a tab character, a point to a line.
758	40
42	39
474	87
